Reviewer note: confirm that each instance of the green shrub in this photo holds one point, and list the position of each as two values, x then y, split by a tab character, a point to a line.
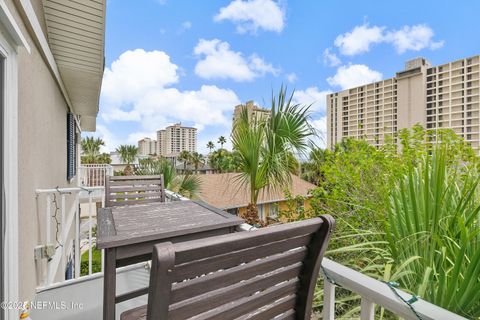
96	262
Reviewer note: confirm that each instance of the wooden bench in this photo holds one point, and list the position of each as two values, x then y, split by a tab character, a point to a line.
261	274
128	190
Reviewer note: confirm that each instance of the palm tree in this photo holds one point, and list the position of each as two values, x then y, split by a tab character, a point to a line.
222	141
196	159
187	185
264	146
104	158
91	149
128	154
184	156
210	146
312	169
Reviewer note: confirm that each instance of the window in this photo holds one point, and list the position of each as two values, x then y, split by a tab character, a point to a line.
71	147
273	213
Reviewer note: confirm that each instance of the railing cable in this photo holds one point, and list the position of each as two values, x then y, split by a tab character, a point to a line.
393	286
55	218
85	189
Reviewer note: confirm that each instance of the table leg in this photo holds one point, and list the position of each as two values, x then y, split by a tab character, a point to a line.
109	284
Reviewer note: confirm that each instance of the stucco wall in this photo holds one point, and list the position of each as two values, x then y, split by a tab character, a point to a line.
42	149
411	101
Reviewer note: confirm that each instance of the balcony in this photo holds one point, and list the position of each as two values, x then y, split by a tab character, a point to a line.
71	278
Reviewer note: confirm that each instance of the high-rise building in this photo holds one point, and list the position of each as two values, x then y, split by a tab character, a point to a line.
174	139
161	149
444	96
253	111
147	146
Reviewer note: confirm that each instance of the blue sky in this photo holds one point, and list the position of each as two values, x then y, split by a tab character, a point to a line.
192	61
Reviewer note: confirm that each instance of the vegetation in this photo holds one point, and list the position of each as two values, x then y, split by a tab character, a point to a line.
408	214
91	151
264	147
96	262
184	156
432	228
196	159
187	185
222	141
224	161
210	146
128	154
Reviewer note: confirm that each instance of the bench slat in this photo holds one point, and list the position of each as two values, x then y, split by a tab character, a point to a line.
196	250
284	306
139	182
222	296
114	196
131	202
188	289
252	303
116	186
201	267
127	178
124	188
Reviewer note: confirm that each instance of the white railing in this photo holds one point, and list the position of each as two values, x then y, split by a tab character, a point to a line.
93	175
374	292
67	230
171	196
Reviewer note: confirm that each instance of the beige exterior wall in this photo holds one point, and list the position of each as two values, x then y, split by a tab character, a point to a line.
445	96
253	112
42	149
174	139
147	146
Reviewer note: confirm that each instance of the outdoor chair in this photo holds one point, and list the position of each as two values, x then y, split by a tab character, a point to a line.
128	190
263	274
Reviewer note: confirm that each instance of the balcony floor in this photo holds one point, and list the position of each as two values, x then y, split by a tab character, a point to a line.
87	294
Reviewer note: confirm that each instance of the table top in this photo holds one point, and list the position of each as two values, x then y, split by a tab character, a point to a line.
126	225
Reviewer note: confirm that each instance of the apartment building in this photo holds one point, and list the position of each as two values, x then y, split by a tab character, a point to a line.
444	96
147	146
176	138
253	110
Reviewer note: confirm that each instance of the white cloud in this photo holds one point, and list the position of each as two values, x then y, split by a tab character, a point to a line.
111	142
220	62
134	73
330	58
292	77
251	15
413	38
186	25
354	75
313	96
151	102
359	40
320	126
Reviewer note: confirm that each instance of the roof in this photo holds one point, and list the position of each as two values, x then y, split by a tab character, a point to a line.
225	191
191	167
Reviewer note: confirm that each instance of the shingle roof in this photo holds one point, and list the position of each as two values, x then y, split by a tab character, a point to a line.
225	191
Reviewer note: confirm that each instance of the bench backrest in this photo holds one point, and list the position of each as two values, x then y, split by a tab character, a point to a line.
127	190
261	274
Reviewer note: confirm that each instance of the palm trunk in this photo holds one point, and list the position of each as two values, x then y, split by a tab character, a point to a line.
251	215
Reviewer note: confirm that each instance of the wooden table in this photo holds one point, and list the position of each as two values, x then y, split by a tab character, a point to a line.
128	234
